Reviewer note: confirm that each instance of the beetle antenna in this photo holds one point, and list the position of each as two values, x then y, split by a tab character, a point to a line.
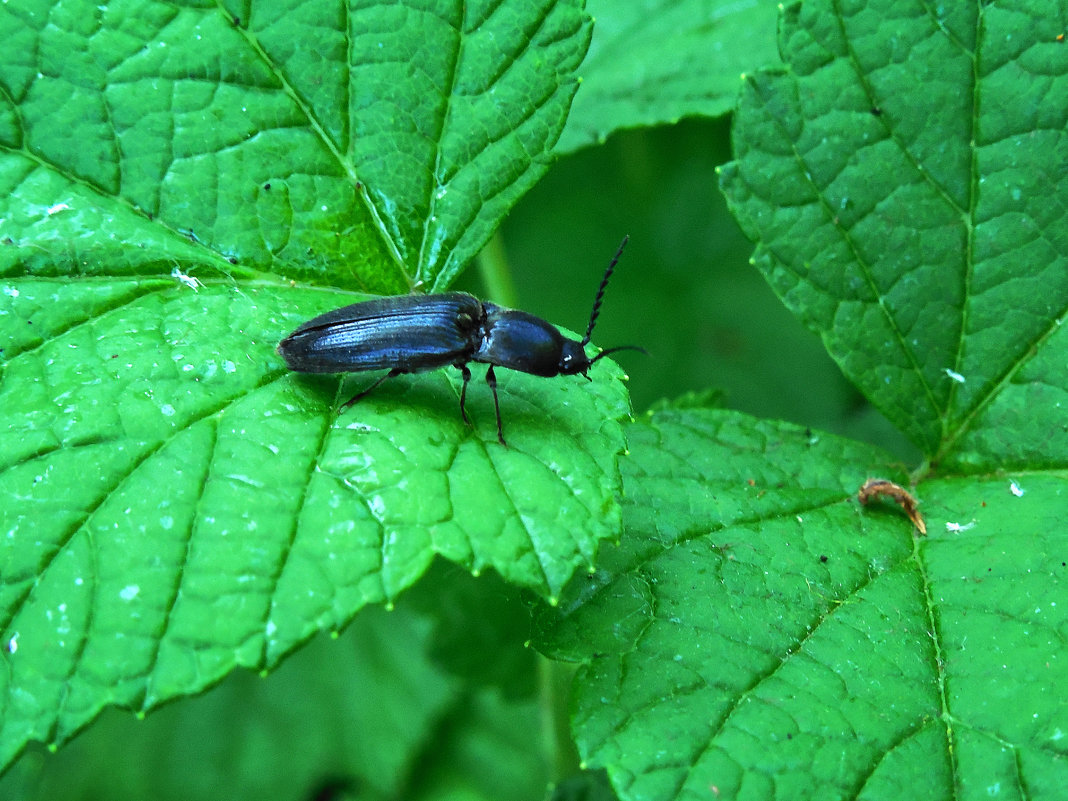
606	351
600	292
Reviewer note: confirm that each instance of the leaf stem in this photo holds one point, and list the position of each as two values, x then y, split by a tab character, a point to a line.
496	275
554	690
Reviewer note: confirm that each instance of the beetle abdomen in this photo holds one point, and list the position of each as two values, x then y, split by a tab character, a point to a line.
408	333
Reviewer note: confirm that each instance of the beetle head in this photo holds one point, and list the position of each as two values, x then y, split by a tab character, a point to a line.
573	358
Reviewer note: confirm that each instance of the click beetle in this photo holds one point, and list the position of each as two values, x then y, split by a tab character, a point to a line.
414	333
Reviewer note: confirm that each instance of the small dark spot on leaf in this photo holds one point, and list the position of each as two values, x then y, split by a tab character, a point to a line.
232	259
332	788
267	187
876	111
823	558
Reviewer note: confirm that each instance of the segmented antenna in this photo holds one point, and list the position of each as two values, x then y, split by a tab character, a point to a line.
606	351
600	291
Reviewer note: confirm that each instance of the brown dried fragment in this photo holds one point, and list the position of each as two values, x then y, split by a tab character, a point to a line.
875	487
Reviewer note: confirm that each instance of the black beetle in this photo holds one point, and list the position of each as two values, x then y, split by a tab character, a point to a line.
413	333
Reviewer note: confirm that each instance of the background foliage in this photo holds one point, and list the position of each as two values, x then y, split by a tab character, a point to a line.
176	505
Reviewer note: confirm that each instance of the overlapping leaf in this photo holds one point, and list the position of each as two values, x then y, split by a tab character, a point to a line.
763	635
174	502
654	63
905	183
361	711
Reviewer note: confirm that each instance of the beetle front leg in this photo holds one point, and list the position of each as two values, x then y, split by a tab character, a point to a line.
466	372
491	379
391	374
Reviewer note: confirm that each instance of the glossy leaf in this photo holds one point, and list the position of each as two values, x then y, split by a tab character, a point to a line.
385	710
764	635
174	503
654	63
914	229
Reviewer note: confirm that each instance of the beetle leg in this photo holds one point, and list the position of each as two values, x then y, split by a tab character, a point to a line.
466	372
491	379
391	374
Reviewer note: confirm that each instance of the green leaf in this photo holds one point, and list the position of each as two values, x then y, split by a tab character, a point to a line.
758	633
456	108
373	712
905	181
173	502
376	150
764	635
655	63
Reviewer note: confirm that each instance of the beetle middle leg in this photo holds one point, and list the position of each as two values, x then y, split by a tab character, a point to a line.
491	379
391	374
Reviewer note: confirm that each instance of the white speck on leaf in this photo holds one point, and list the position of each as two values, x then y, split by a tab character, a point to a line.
184	278
955	375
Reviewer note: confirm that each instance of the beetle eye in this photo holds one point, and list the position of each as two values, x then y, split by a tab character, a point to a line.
573	359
